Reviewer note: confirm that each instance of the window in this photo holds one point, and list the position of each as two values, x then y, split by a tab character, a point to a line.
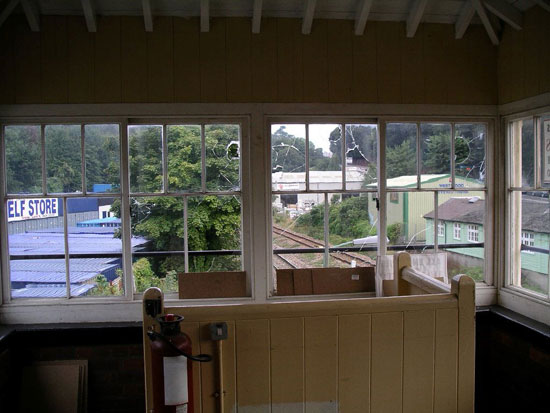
457	227
440	229
473	233
528	191
80	226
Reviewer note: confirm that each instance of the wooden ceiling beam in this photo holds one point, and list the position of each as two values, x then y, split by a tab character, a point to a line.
147	15
545	4
362	16
506	12
257	16
415	16
309	12
7	11
33	16
482	13
205	16
88	7
464	19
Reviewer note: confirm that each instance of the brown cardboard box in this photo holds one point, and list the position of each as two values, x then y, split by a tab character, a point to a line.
221	284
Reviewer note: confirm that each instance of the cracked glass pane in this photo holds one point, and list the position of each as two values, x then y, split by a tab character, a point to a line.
361	156
470	157
325	157
288	157
145	158
184	158
436	155
222	157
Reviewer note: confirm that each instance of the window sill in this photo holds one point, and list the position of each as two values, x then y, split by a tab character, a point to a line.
525	304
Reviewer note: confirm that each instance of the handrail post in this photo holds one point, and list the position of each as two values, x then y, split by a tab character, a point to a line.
464	288
401	287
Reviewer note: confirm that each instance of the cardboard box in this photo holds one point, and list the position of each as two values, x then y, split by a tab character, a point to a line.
223	284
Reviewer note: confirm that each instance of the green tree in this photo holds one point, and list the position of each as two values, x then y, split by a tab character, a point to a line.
400	160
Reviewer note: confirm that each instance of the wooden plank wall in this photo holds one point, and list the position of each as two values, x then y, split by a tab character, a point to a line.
367	357
63	63
524	58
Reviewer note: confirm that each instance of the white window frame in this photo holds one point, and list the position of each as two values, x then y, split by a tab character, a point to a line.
256	180
457	231
473	233
440	229
528	239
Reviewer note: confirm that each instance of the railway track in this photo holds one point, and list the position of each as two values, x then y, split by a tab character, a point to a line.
342	256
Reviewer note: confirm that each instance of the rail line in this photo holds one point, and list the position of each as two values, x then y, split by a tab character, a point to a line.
342	256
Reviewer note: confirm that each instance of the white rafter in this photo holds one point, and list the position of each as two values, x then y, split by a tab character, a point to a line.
7	11
309	11
147	15
506	12
415	15
88	8
480	10
545	4
205	15
362	16
257	16
32	14
464	19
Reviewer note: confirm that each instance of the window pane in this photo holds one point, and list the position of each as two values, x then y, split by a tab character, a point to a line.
325	157
545	148
298	223
530	229
361	155
37	249
352	227
222	157
23	159
470	161
184	158
63	158
214	224
93	228
436	154
522	153
145	158
406	225
157	228
288	157
401	155
102	144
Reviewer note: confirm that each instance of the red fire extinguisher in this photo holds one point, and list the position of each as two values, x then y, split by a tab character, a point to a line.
171	369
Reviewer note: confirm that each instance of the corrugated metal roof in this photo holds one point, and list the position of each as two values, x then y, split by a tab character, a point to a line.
51	292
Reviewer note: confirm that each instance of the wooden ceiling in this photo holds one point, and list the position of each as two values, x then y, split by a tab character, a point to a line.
493	14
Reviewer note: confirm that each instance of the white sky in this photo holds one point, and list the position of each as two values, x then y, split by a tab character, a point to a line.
318	134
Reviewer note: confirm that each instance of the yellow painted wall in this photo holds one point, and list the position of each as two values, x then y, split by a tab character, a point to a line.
63	63
524	58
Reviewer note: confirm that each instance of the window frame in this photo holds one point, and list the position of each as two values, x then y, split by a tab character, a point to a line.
440	228
457	226
473	233
124	194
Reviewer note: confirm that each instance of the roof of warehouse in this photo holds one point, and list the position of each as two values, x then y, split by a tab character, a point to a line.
51	292
53	270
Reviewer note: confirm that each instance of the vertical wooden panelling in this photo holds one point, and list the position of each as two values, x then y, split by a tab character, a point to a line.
483	86
446	353
160	61
387	362
239	71
321	364
418	361
290	68
437	38
54	59
187	63
531	49
354	339
364	66
287	365
511	51
229	370
81	62
28	87
193	331
388	52
264	62
253	375
340	61
412	68
458	85
107	83
7	68
544	35
133	60
213	59
209	371
315	63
